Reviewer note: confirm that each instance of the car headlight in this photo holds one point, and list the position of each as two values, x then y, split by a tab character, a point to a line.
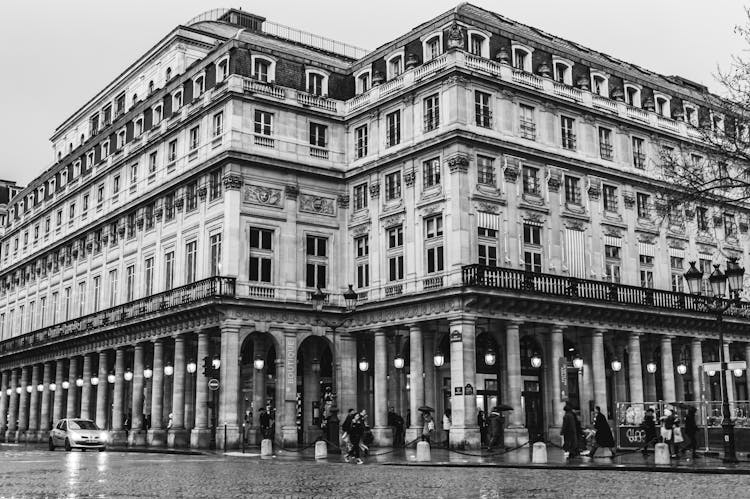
104	437
74	435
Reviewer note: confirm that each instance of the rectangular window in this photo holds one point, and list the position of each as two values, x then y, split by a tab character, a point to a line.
612	270
639	156
395	237
642	205
81	299
434	259
318	135
530	180
527	122
215	249
218	124
130	283
176	101
168	270
360	137
647	278
152	162
172	151
362	246
191	196
431	172
32	313
363	274
485	170
701	217
115	184
263	123
567	132
148	276
361	254
100	194
482	111
433	226
190	263
431	112
610	198
605	143
532	261
169	207
572	190
157	114
360	196
705	265
396	268
393	128
113	288
317	261
261	254
54	305
487	249
678	283
214	185
96	298
133	174
393	186
532	234
729	226
194	137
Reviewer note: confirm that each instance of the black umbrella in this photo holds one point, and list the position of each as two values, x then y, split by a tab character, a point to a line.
425	408
503	407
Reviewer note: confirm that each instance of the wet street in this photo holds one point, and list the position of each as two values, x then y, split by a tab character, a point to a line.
39	473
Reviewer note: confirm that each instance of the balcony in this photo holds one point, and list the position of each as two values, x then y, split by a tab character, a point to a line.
199	292
597	291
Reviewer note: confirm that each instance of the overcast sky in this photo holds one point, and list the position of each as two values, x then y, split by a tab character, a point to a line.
55	55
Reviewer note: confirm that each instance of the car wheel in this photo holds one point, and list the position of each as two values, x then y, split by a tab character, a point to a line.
51	444
102	449
68	448
83	450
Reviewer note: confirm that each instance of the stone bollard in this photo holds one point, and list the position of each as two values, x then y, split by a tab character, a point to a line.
423	452
539	453
266	447
321	449
661	454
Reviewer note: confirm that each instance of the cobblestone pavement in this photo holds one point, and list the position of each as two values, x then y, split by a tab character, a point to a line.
39	473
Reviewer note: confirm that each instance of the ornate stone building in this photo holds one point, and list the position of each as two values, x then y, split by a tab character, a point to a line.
487	189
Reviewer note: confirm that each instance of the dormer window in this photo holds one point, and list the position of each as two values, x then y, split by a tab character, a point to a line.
632	95
138	127
135	100
63	177
157	114
563	70
76	169
176	101
717	121
151	87
52	186
199	86
107	114
317	82
120	104
662	105
432	46
89	159
394	65
521	57
691	114
168	74
120	139
83	139
600	84
105	149
222	70
363	81
478	44
264	68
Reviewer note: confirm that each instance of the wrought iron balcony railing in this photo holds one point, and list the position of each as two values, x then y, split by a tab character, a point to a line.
586	289
206	289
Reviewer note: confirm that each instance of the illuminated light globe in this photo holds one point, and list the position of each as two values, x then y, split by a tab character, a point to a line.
18	390
52	387
29	389
191	367
259	363
651	367
711	373
147	373
110	378
398	362
616	366
79	382
94	380
738	373
40	387
215	363
489	358
578	362
168	370
364	365
681	368
536	361
128	375
65	385
438	359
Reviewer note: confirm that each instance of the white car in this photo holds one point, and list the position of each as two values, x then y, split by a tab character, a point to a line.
78	433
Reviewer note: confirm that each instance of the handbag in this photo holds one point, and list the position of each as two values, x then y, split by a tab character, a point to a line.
677	433
666	434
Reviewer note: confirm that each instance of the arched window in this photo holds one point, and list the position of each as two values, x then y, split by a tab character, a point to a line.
432	46
317	82
521	57
691	114
264	68
478	44
394	64
717	121
662	104
83	138
563	70
199	86
135	98
222	70
363	81
168	74
632	95
599	84
151	87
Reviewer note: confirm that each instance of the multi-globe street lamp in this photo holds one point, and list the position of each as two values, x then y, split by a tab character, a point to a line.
717	305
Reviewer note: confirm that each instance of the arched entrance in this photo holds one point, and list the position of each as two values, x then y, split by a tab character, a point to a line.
532	387
258	386
315	388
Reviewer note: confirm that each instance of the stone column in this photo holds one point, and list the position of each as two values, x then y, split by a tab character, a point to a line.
4	399
599	369
200	436
729	376
10	435
102	392
515	433
57	406
286	368
346	351
428	351
33	428
87	387
118	434
229	390
416	393
667	370
157	436
392	382
464	432
72	409
177	435
696	368
381	431
23	406
44	423
634	368
259	390
137	434
556	354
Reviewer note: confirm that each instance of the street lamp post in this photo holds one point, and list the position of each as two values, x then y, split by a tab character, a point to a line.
350	301
718	305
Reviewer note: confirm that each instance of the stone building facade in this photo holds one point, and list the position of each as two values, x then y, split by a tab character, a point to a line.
485	187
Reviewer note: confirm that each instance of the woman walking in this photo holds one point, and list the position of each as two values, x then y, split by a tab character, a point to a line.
355	435
569	433
691	432
603	437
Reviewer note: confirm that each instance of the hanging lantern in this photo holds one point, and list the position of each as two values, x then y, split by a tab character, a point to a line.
216	362
711	373
259	363
52	387
94	380
29	389
111	378
128	375
489	358
364	365
536	361
191	367
168	370
681	368
18	390
651	367
79	382
65	385
738	373
398	362
147	373
40	387
616	365
578	362
8	392
438	359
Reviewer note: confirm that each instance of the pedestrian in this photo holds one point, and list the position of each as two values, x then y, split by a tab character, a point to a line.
495	428
691	432
447	426
648	425
569	433
265	422
367	437
667	430
355	433
428	426
169	422
482	424
396	422
346	427
603	437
